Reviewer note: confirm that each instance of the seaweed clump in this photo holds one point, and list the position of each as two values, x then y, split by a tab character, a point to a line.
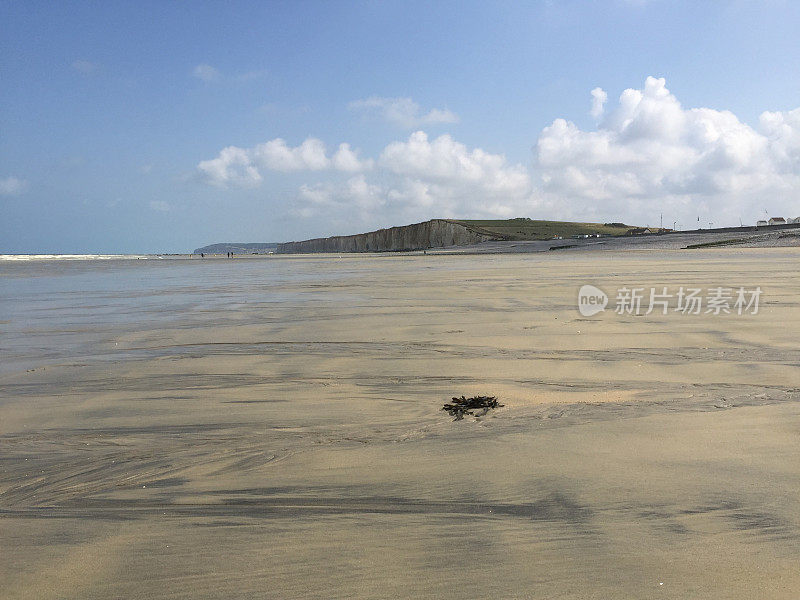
460	407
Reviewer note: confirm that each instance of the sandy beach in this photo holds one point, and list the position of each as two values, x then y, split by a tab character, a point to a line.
272	428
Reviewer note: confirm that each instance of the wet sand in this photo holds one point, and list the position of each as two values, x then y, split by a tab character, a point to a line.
271	428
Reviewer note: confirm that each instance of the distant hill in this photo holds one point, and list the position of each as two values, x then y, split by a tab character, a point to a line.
441	233
530	229
238	248
436	233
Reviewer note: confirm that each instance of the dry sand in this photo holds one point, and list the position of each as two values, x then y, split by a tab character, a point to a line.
271	429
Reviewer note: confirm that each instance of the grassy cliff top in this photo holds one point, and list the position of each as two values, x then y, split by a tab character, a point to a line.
530	229
238	248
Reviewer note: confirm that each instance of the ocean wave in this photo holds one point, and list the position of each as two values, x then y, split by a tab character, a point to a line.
35	257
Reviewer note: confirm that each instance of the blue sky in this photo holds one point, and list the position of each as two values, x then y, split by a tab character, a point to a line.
115	117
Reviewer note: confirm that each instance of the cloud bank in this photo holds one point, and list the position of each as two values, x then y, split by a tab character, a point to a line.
416	179
650	155
236	166
646	156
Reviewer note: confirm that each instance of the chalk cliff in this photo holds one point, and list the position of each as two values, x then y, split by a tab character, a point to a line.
436	233
238	248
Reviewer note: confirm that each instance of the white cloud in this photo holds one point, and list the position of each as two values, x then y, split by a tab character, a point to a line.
356	197
421	179
783	129
650	155
364	195
447	162
206	73
599	98
276	155
12	186
402	112
244	166
233	166
346	159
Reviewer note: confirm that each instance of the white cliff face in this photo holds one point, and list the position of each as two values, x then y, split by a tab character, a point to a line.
437	233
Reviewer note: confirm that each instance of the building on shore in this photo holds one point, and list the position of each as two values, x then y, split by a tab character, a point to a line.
641	231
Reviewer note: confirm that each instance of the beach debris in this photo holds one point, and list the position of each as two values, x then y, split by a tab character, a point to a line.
459	407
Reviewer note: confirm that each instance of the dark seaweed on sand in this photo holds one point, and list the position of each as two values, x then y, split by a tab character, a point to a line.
468	406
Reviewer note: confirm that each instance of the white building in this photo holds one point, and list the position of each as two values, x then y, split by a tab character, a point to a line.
777	221
761	224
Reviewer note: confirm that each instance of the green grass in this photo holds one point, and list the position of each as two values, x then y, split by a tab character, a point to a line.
530	229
